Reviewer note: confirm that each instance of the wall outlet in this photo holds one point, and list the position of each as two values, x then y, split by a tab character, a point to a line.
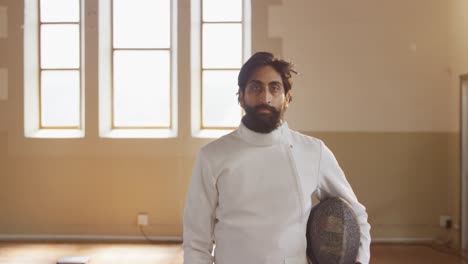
445	221
142	219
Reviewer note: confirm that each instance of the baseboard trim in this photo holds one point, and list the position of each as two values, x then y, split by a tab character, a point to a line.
174	239
409	240
86	238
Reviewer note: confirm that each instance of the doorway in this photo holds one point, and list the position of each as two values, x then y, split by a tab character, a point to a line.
464	160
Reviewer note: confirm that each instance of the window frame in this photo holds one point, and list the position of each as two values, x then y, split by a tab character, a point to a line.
33	127
107	127
198	129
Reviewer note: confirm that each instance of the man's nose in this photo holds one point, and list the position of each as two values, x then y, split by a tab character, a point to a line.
265	96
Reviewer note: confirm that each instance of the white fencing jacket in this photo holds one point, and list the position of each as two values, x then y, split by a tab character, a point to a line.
250	193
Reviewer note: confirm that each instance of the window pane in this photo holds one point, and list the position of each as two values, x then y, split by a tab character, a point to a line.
225	10
142	24
222	45
60	10
220	107
141	88
60	98
60	46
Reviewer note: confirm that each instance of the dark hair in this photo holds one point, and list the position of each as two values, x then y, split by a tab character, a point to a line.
260	59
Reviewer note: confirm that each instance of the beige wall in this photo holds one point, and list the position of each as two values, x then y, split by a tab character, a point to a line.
377	89
368	65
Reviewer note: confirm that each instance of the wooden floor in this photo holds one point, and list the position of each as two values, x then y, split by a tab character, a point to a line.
116	253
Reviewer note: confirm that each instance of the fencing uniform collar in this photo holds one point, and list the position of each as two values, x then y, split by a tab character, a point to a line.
260	139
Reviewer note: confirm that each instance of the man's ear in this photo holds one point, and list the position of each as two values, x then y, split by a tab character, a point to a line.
288	97
241	99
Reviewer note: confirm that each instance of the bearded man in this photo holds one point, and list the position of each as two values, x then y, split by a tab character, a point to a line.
250	192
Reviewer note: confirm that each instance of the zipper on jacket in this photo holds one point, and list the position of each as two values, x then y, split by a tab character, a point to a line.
297	179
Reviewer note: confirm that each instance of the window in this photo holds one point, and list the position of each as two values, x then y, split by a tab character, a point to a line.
53	68
220	44
137	78
137	75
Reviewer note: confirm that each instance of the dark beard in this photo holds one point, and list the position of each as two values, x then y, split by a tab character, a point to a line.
259	122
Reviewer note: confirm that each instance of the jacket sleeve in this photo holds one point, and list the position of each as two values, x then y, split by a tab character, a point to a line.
199	214
333	183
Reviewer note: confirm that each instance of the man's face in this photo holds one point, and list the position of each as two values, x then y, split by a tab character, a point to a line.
264	100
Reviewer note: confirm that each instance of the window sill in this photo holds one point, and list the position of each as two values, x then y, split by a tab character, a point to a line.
140	133
56	133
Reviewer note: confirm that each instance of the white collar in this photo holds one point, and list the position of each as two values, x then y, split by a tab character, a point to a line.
260	139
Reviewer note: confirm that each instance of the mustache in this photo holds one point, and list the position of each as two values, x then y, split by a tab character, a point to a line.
264	106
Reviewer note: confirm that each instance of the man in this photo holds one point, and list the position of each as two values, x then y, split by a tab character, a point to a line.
250	192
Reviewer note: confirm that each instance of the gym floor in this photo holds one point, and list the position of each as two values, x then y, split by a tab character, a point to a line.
141	253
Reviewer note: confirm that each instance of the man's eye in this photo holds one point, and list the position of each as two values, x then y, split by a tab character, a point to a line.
255	87
276	88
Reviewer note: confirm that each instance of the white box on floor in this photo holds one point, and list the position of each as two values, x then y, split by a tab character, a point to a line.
73	260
